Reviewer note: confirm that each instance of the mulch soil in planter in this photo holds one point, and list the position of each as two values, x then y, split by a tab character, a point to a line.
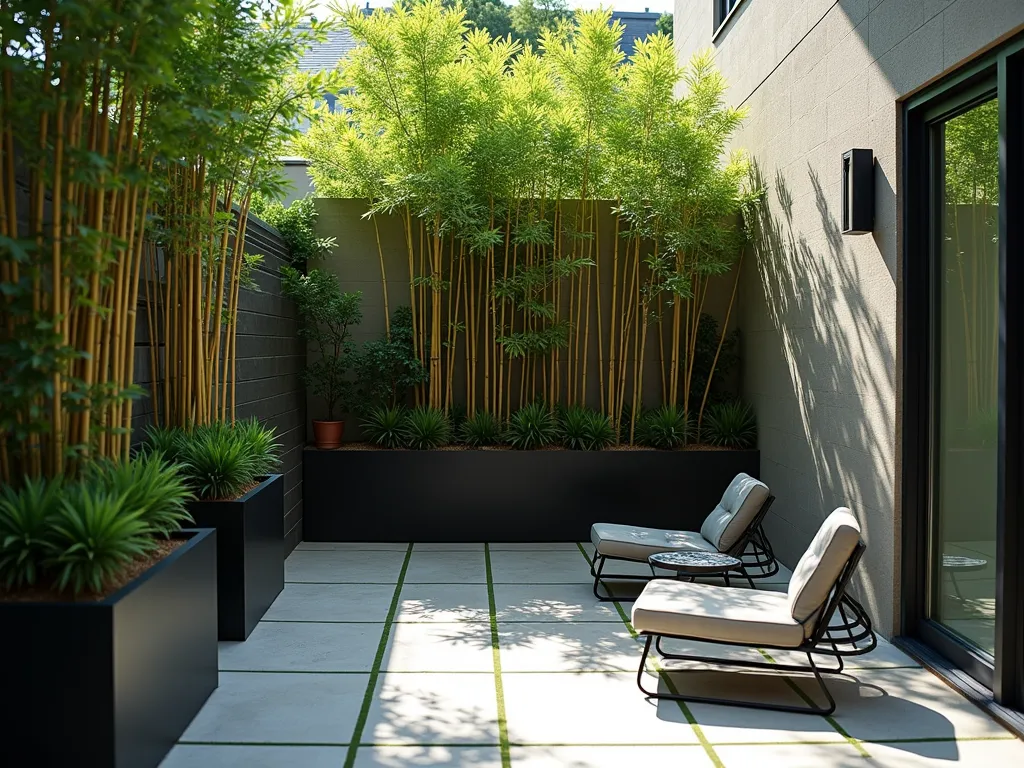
43	593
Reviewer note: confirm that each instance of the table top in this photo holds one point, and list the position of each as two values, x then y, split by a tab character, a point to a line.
963	563
694	562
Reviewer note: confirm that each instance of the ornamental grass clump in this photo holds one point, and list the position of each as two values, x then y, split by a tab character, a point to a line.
730	425
385	426
80	536
481	430
426	428
532	426
666	427
583	429
217	460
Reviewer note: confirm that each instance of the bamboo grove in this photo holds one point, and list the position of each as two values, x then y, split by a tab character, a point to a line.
510	170
134	133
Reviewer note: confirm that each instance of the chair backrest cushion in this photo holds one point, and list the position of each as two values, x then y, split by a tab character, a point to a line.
738	507
822	563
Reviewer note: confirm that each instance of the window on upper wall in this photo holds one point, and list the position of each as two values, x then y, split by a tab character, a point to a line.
722	10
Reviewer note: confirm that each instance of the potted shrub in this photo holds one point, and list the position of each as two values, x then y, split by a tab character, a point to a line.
327	314
229	469
109	622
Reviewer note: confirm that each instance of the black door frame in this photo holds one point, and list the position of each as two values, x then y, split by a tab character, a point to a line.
1000	73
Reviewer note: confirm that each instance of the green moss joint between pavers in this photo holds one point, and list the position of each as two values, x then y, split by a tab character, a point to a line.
371	686
499	689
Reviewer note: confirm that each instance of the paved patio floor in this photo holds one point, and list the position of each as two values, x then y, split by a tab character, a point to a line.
466	655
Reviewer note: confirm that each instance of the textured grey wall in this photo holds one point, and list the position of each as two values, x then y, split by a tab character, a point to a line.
269	363
820	311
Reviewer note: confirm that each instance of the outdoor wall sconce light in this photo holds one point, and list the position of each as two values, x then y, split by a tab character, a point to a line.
858	191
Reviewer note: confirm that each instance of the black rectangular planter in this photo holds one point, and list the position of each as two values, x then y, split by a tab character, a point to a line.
480	495
250	554
112	683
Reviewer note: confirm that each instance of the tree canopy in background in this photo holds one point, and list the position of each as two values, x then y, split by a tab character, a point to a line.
665	24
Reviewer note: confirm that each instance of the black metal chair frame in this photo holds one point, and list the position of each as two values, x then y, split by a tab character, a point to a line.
835	640
753	537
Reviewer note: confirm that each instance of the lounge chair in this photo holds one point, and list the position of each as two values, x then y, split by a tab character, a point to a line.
733	527
797	620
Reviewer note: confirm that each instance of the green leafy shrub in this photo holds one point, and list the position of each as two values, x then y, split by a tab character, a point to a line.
385	369
25	520
297	225
386	426
481	429
582	429
532	426
327	314
731	425
426	428
666	427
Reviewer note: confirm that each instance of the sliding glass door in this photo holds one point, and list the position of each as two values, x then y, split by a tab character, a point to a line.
963	374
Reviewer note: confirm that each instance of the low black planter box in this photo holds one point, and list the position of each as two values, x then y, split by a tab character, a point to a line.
112	683
481	495
250	554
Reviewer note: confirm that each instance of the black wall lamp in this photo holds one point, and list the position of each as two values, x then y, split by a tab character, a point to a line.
858	191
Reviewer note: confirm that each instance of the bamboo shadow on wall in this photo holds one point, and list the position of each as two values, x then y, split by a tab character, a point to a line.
839	356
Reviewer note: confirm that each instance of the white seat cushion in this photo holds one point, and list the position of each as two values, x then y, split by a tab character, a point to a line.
820	566
723	614
735	512
635	543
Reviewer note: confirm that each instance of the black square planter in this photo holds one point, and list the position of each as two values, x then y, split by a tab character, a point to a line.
250	554
112	683
497	495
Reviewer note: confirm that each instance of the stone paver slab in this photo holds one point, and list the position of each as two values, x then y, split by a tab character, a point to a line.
881	704
436	647
539	567
332	602
729	724
274	708
433	709
941	754
351	546
458	567
234	756
435	757
837	755
304	647
443	602
551	602
610	757
588	708
343	567
565	646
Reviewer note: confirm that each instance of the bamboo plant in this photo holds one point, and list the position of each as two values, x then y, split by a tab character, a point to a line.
511	169
239	98
79	142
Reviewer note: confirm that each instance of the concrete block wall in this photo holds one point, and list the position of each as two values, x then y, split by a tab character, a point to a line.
820	312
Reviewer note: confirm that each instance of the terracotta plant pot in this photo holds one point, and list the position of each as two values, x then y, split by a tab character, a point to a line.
327	434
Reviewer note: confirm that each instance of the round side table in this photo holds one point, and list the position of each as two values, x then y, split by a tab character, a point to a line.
958	564
693	564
